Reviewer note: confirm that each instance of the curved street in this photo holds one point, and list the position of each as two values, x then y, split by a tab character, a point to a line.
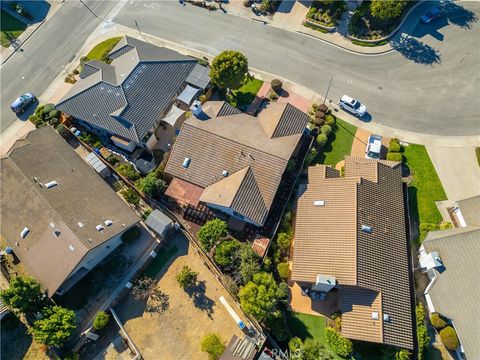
429	85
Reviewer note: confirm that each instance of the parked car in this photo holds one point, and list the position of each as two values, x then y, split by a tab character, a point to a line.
431	14
374	147
351	105
21	103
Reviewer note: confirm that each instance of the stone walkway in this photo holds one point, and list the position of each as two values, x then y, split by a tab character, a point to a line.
257	102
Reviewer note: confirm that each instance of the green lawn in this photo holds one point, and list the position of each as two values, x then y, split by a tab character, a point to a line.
100	51
425	188
477	152
339	144
244	96
308	326
11	28
159	262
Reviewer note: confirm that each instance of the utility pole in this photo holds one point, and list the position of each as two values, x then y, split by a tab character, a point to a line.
328	89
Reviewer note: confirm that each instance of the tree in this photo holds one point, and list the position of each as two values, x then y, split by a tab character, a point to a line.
282	293
282	269
150	183
213	346
277	326
284	240
56	326
128	170
259	297
186	277
308	350
101	320
131	196
211	232
229	69
449	338
225	252
24	295
340	345
392	353
249	263
143	288
387	9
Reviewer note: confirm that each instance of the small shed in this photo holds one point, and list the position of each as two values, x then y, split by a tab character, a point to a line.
160	223
188	95
98	165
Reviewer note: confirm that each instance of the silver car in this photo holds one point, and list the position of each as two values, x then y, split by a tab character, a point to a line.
353	106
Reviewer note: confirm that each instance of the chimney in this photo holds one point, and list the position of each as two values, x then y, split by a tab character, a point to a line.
196	108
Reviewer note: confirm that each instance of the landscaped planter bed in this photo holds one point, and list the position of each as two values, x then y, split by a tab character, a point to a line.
364	26
325	14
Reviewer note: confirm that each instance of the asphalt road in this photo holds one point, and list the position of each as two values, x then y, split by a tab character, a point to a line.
429	85
45	53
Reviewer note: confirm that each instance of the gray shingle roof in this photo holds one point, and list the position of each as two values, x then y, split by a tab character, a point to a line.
199	77
80	202
455	293
129	96
470	209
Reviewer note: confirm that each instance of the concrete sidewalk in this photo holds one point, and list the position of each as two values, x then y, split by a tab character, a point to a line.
457	169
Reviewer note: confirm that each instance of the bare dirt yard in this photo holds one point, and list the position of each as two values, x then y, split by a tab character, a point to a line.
176	331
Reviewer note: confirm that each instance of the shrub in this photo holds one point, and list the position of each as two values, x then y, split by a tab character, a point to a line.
321	140
54	114
449	338
330	120
394	147
259	296
76	72
320	114
131	196
54	122
323	108
394	141
282	269
149	184
319	121
131	234
186	277
445	225
101	320
276	85
36	120
48	107
212	232
326	129
213	346
341	346
273	96
63	131
277	326
394	156
437	321
112	159
128	170
247	3
310	158
284	240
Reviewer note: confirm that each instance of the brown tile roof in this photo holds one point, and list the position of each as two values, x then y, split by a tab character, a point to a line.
233	143
282	119
329	239
357	307
184	192
260	246
81	196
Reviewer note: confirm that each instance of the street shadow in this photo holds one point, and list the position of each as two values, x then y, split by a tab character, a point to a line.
457	15
417	51
283	93
201	301
366	118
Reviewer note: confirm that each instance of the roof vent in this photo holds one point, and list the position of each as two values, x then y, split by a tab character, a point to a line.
56	233
225	173
386	317
80	224
24	232
51	184
375	315
196	108
71	247
108	222
319	203
99	227
367	229
186	162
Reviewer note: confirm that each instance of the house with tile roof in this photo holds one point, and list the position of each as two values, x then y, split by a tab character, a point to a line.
350	248
143	87
234	162
449	258
59	216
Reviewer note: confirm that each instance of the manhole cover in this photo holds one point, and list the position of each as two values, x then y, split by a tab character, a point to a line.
349	81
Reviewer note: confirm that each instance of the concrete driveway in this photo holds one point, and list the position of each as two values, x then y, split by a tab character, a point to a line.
458	171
